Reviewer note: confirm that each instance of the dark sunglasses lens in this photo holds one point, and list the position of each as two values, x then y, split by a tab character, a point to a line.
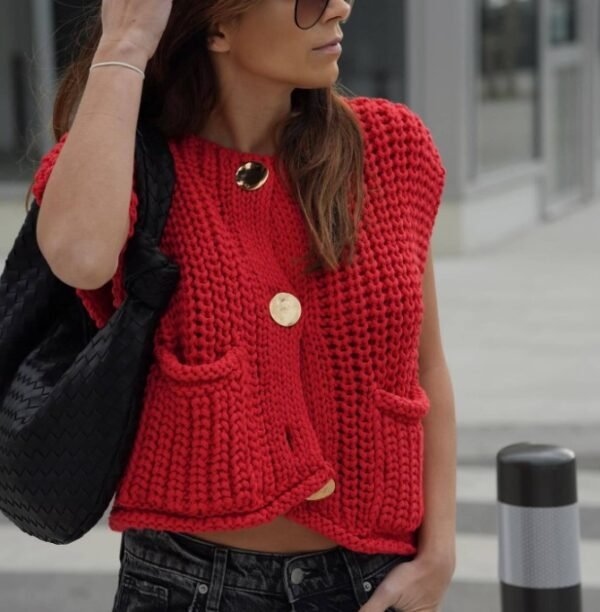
308	12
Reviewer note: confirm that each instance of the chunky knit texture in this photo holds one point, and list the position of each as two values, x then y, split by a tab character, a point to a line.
244	418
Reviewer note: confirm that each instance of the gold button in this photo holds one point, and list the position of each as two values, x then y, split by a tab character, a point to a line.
251	175
324	491
285	308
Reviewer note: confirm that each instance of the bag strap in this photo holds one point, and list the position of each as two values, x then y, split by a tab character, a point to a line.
155	178
150	276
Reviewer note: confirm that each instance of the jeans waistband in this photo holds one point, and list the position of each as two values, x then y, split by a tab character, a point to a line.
270	572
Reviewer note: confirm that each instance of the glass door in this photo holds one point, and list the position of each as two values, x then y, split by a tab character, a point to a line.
565	117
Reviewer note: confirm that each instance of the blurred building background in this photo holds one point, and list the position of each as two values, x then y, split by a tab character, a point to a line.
509	89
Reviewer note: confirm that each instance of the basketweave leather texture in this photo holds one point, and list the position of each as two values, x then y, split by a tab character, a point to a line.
71	393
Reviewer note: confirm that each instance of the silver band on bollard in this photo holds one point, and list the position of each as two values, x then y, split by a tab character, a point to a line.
538	529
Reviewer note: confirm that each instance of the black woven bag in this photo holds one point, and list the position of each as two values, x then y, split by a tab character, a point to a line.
71	393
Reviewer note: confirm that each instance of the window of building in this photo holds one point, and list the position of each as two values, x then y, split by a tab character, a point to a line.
373	60
563	21
507	83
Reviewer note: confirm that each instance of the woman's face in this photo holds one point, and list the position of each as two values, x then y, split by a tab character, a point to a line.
267	43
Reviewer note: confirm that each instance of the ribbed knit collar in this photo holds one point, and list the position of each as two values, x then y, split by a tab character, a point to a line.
224	153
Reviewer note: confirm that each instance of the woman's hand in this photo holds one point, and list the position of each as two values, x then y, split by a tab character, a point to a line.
412	586
138	22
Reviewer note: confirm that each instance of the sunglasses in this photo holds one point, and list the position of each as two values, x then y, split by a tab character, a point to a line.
308	12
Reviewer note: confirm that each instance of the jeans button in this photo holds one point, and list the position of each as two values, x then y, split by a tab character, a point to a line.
203	588
367	586
297	575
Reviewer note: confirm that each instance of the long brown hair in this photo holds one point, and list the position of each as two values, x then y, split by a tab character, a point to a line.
319	143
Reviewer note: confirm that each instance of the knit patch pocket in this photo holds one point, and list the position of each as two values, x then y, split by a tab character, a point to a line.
398	497
192	454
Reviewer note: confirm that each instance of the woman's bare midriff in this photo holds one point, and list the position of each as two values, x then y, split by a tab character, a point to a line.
280	535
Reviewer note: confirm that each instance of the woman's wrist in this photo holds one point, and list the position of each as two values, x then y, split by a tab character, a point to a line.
438	555
122	51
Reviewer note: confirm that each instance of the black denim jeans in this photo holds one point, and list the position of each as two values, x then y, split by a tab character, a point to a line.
164	571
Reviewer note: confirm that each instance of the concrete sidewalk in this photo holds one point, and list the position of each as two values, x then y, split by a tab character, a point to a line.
520	325
521	332
12	215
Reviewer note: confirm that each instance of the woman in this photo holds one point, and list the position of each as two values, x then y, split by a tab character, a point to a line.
280	458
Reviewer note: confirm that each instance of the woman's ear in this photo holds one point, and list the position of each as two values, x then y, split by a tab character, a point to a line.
216	40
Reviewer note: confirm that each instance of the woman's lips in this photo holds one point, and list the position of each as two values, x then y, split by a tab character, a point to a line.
335	48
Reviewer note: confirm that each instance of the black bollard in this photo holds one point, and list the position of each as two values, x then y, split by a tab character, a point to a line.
538	529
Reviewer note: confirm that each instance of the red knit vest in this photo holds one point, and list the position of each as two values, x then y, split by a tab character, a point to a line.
270	385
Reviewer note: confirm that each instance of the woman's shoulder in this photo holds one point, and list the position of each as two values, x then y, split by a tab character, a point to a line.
394	124
383	112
